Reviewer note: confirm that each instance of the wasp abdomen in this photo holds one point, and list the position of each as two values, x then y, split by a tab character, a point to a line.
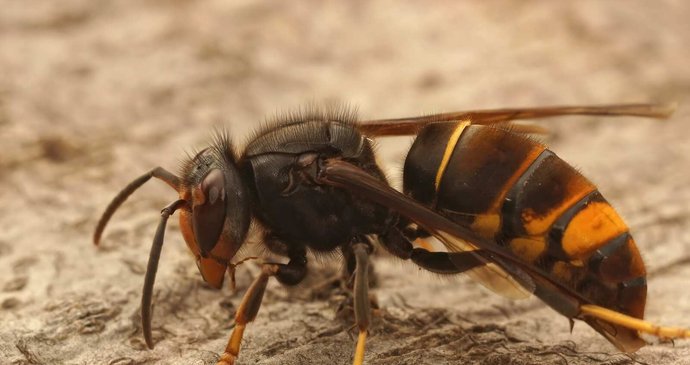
510	188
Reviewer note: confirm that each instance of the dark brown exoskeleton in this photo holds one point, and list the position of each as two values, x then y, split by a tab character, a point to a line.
509	212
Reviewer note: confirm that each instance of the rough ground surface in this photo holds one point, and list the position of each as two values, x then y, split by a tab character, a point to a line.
93	94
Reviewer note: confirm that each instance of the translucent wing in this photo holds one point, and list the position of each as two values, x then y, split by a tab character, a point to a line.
514	285
408	126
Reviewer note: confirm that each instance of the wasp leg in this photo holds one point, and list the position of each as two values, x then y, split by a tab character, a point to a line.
289	274
249	308
350	260
361	297
637	324
437	262
445	262
342	285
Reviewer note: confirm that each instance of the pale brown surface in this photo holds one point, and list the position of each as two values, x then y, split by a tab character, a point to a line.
92	94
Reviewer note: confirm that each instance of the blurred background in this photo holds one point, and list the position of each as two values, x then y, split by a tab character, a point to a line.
93	94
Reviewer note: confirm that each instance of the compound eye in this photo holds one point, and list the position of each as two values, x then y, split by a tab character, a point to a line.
209	210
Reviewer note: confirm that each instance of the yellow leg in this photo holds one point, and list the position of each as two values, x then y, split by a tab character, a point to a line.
633	323
233	347
246	313
361	344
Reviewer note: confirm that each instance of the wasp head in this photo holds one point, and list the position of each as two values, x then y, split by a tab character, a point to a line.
217	217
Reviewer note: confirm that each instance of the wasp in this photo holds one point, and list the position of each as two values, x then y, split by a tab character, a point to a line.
509	212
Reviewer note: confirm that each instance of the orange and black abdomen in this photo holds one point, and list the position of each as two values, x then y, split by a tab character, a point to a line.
511	189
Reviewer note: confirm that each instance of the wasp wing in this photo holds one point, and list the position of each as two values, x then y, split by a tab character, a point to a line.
501	272
410	126
515	284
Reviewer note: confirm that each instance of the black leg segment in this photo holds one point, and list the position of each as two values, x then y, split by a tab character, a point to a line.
361	294
399	245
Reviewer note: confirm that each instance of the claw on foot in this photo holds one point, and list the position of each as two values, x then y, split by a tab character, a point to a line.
226	359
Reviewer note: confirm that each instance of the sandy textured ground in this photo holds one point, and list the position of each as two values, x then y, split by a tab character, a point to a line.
93	94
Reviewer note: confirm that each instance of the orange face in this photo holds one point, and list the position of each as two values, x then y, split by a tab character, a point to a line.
212	267
216	219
